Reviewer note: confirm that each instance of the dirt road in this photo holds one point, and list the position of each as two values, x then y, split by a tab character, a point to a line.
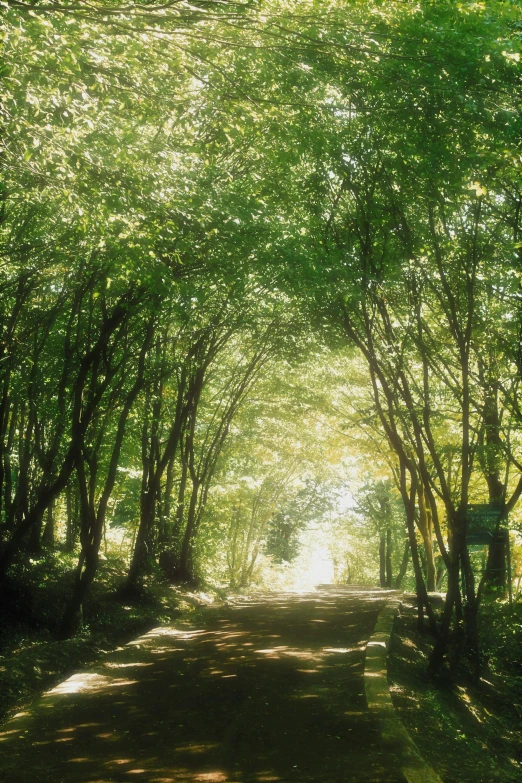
263	691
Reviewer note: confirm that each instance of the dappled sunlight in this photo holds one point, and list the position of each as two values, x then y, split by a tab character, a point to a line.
376	643
341	650
88	682
133	665
468	703
310	655
202	748
6	733
376	673
246	695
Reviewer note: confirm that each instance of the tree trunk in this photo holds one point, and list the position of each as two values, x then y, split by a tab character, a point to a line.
389	576
7	486
73	616
151	478
495	578
423	600
88	560
71	500
453	597
442	642
142	548
82	414
382	559
426	531
49	529
184	571
34	541
404	565
180	506
169	559
93	516
165	536
471	607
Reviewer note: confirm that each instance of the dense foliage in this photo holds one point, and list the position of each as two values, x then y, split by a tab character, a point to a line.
261	292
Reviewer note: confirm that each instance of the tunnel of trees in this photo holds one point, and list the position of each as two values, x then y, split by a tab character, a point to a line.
261	299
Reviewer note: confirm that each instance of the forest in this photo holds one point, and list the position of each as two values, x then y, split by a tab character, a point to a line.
261	308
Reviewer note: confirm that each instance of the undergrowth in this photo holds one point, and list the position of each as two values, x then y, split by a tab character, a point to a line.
468	733
33	659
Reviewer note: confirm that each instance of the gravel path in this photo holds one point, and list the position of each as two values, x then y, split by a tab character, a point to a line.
264	690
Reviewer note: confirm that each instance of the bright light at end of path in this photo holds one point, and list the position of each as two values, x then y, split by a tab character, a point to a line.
315	569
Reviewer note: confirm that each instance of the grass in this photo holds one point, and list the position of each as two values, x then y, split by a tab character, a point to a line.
468	733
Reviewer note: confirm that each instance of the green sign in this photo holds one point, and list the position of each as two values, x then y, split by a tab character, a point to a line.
479	538
483	517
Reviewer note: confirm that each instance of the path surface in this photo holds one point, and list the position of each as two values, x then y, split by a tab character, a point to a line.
263	691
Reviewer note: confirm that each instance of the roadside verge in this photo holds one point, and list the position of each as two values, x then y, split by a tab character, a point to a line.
378	697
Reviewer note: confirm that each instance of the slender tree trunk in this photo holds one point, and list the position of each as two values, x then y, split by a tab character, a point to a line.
49	529
453	600
188	397
180	507
166	535
382	559
389	575
423	600
149	490
404	565
6	486
51	487
495	579
426	531
8	408
8	471
142	544
170	557
471	607
71	501
72	620
185	569
73	615
93	516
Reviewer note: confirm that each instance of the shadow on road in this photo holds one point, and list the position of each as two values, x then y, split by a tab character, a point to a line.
265	690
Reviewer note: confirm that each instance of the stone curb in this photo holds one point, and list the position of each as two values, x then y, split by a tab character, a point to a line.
378	697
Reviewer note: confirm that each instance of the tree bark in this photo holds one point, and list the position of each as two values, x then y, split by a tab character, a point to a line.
382	558
49	529
404	565
426	531
82	414
389	575
93	515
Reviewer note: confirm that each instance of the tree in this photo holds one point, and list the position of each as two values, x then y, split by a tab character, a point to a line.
192	194
378	505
